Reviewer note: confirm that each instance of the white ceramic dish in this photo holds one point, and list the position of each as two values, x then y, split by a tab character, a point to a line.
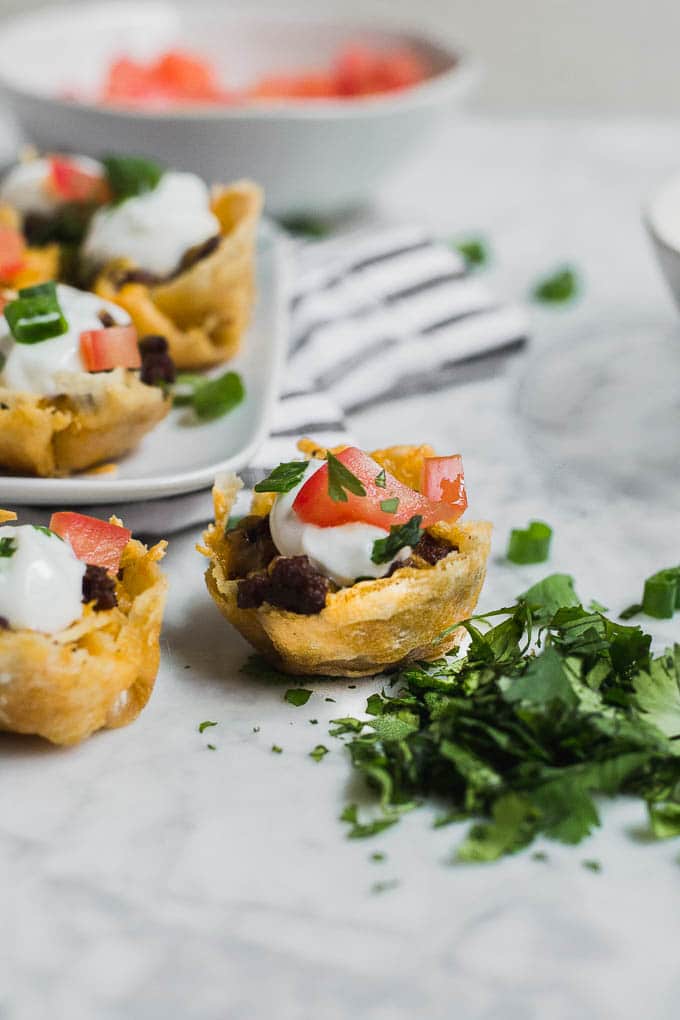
323	156
178	457
662	219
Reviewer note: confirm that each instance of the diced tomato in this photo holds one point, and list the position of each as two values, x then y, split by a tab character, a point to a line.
93	541
443	479
12	252
73	184
355	71
110	347
313	504
185	76
399	70
126	79
313	85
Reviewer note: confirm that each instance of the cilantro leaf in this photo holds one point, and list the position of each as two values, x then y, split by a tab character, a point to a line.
658	692
400	536
664	820
7	547
319	752
552	593
284	477
202	727
341	480
297	696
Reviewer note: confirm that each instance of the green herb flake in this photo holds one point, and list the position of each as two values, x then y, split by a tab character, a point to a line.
297	696
400	536
592	865
557	288
531	544
381	479
474	250
202	727
314	722
540	855
319	752
364	830
276	749
390	506
128	176
378	857
664	820
284	477
341	480
346	725
211	747
7	548
387	886
306	225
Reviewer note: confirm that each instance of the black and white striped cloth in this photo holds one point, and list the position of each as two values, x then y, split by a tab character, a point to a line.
375	316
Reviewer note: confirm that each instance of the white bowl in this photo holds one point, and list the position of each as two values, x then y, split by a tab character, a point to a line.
318	156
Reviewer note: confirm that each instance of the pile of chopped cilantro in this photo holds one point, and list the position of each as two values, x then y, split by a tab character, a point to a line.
552	706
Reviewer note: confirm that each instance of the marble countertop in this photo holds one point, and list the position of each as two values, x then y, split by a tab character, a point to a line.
146	877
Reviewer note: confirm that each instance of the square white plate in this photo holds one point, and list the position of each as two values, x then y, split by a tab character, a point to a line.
178	457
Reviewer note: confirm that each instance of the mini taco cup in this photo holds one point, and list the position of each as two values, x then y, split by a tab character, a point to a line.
202	310
374	625
103	416
99	672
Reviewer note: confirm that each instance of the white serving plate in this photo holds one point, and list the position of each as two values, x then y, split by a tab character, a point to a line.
323	156
178	457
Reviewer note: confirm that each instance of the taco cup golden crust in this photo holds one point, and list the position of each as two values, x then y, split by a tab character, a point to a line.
374	625
203	310
98	673
54	436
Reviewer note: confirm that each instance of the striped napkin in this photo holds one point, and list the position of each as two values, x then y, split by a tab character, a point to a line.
374	316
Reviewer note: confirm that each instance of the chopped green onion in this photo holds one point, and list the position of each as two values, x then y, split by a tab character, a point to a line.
35	315
660	598
530	545
129	176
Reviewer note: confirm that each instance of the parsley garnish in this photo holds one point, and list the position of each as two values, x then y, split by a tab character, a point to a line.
401	535
340	479
306	225
390	506
46	531
592	865
276	749
474	251
381	479
319	752
297	696
284	477
204	725
552	707
530	545
557	288
211	747
7	548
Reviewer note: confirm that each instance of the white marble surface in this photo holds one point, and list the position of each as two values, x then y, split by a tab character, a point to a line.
146	877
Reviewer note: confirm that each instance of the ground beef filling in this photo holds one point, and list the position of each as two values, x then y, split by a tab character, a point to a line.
158	367
99	587
292	582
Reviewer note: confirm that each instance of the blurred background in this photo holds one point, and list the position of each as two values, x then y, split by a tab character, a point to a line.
598	55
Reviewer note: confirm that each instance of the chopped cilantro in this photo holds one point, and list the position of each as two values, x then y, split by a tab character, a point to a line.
314	722
531	544
560	287
553	706
284	477
474	250
276	749
7	548
306	225
204	725
297	696
381	479
341	480
539	855
46	531
592	865
390	506
319	752
256	729
211	747
401	535
128	176
378	857
330	699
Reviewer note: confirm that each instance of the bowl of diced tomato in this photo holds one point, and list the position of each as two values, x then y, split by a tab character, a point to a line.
319	111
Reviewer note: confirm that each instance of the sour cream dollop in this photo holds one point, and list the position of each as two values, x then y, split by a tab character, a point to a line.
40	368
26	185
41	580
155	229
342	553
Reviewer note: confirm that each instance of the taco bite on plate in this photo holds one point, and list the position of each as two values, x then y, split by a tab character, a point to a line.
77	387
349	564
81	607
176	256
